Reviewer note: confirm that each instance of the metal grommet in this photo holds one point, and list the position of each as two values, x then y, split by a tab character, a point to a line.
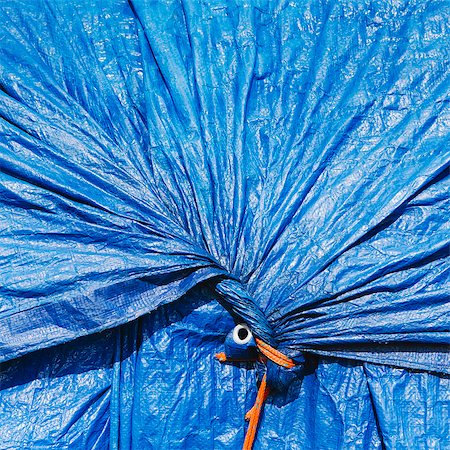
242	334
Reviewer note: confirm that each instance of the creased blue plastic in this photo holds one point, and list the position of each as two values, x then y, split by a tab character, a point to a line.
297	151
291	157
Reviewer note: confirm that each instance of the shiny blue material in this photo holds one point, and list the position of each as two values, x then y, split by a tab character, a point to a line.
171	168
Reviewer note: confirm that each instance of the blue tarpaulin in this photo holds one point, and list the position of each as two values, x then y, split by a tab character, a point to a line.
171	168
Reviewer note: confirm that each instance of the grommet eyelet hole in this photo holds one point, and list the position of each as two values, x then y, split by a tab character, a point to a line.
242	334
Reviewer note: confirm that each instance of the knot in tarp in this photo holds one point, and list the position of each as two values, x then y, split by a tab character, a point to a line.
237	299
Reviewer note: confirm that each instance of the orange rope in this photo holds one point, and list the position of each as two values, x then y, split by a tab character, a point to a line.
254	413
274	355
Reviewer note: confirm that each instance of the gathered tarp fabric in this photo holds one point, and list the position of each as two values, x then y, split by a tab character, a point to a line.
284	164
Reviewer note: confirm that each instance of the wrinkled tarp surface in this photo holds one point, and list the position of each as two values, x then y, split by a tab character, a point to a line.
169	168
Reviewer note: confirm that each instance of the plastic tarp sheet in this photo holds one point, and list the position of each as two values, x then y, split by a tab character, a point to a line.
170	168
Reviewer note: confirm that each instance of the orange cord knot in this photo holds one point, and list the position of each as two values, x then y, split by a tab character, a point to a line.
269	354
